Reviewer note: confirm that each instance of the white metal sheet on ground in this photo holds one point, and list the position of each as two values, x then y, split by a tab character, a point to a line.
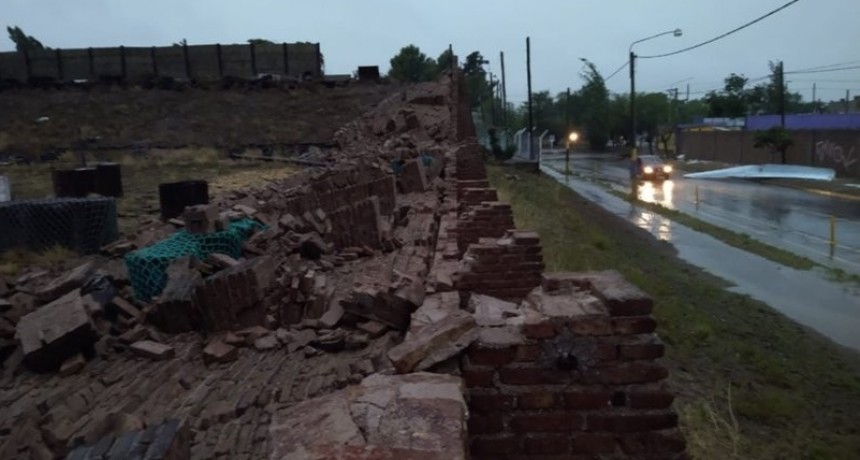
768	171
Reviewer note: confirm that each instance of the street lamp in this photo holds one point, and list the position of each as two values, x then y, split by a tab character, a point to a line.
571	139
676	33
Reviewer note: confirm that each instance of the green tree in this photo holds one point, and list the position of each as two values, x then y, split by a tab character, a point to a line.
776	139
476	80
24	42
732	101
595	100
411	65
444	61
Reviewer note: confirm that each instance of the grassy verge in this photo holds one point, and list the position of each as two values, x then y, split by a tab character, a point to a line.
751	383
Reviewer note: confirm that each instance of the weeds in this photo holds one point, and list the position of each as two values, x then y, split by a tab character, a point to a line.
794	394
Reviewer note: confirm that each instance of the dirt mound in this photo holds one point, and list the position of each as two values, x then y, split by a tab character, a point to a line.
123	118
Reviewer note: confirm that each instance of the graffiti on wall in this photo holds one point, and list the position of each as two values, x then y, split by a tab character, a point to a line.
829	151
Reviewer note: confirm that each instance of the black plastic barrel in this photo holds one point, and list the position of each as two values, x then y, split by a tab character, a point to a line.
109	179
175	196
74	183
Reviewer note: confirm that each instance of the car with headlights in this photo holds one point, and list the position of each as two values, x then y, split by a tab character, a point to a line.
651	167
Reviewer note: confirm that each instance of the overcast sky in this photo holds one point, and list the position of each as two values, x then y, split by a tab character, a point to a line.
810	33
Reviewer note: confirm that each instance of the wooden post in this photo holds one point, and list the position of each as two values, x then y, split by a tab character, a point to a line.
92	64
286	59
60	73
27	64
187	60
220	61
154	62
319	61
529	75
253	60
122	63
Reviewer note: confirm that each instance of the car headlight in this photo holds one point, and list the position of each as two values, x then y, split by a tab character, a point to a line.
667	169
649	170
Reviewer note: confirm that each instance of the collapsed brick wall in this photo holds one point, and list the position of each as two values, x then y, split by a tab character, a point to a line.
354	203
507	268
577	380
470	164
485	220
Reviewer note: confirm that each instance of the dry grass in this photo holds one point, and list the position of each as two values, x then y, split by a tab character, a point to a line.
13	261
141	176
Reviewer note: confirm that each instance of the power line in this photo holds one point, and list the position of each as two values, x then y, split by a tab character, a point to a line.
754	21
822	67
824	70
626	63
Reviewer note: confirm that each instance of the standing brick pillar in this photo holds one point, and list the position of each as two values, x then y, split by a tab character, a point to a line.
574	377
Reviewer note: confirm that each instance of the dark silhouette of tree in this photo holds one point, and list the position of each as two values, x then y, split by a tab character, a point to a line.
24	42
776	139
411	65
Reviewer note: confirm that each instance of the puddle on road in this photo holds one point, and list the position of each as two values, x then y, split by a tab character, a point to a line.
807	297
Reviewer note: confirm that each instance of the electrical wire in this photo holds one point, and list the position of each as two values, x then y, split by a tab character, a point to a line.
737	29
626	63
803	72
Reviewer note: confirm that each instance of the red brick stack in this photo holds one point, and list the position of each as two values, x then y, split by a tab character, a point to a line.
487	220
507	268
233	298
577	380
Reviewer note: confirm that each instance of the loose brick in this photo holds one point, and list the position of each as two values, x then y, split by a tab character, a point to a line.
627	373
589	443
485	424
491	356
490	403
547	445
587	398
532	376
478	377
540	330
650	398
631	423
591	325
152	350
646	348
537	400
502	445
547	423
529	353
633	325
657	442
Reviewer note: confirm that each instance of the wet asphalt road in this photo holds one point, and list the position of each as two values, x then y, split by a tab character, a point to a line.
806	296
791	219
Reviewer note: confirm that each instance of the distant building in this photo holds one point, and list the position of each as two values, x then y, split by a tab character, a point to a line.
839	106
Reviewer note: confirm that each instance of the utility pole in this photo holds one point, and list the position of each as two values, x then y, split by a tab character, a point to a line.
451	53
567	112
633	104
504	91
782	94
814	104
529	75
847	100
492	101
688	92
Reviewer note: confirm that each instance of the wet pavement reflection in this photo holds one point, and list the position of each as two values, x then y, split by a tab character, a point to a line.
807	297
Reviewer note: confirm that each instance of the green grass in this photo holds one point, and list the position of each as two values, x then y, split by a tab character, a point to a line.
751	383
